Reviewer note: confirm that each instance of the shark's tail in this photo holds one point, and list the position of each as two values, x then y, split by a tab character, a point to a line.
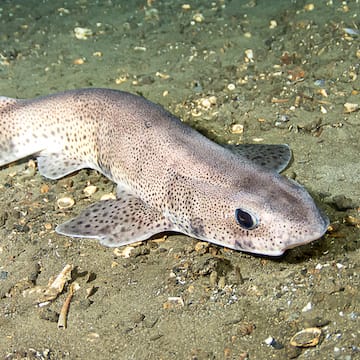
16	140
41	128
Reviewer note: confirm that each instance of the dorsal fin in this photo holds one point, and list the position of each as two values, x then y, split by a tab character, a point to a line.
269	156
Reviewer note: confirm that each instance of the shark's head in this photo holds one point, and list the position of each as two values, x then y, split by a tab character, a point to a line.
263	214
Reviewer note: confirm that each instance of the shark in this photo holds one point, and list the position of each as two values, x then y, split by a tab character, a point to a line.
170	177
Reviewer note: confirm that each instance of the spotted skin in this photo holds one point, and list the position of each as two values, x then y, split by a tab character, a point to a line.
169	177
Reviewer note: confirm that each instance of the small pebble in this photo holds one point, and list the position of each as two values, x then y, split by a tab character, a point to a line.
3	275
213	278
273	24
273	343
137	317
198	17
48	226
49	315
222	282
202	246
343	203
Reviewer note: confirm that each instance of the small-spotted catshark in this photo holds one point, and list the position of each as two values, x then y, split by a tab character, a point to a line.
169	177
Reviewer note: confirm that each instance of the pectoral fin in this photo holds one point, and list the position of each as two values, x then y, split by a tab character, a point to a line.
117	222
56	165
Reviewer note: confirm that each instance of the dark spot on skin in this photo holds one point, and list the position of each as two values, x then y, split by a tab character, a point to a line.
197	227
238	244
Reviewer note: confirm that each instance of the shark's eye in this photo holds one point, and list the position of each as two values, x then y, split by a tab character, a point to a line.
245	219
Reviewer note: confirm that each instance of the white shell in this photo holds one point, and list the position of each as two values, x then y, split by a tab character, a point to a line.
83	33
65	203
90	190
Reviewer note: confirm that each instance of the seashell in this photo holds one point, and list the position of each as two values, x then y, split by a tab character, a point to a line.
306	338
237	129
90	190
65	203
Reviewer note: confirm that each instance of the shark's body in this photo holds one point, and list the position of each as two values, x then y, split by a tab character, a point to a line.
169	177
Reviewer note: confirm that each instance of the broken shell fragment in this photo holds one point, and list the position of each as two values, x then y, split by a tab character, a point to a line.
352	221
82	33
63	277
249	55
173	302
306	338
55	287
65	203
124	252
350	107
109	196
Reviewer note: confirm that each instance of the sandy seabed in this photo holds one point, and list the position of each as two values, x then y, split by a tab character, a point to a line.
238	71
